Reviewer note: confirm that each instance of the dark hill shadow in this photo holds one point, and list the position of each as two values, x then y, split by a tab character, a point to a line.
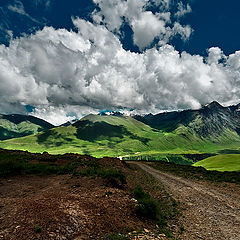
93	131
169	121
57	140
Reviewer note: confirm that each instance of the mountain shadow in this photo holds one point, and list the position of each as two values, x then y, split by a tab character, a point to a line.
53	138
94	131
168	121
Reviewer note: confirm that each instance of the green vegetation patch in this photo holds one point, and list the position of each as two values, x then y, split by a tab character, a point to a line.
222	162
17	163
116	136
115	177
147	206
11	167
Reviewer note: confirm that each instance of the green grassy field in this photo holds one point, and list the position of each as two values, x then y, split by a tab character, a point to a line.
121	136
222	162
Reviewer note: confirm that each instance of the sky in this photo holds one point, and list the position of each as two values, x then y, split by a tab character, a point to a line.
61	60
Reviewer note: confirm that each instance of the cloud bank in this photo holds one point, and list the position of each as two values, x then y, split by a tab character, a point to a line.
63	73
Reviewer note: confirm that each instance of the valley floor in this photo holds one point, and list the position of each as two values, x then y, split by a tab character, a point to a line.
211	211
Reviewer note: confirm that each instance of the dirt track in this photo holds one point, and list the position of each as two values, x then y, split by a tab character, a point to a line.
212	212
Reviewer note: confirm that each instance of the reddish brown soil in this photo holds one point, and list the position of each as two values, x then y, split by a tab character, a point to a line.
34	207
62	207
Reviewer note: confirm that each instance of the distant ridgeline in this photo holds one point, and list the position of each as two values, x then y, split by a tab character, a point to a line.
211	129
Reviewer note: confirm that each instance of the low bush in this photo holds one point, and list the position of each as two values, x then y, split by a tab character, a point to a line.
37	229
147	206
114	176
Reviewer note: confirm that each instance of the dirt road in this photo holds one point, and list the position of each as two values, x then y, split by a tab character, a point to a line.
212	212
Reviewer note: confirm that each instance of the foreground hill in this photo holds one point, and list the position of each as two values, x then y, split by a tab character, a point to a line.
106	199
90	199
16	125
211	129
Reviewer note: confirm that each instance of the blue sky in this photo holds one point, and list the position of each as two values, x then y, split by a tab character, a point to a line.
214	22
71	58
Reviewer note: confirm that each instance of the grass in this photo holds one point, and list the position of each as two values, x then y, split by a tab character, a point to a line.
101	136
222	162
115	177
18	167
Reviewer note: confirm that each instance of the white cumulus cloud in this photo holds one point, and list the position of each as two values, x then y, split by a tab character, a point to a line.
146	25
61	72
183	10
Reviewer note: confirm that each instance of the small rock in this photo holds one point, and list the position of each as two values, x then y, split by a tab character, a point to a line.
162	235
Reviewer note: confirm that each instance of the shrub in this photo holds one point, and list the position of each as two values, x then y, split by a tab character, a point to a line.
147	207
150	208
113	175
38	229
139	193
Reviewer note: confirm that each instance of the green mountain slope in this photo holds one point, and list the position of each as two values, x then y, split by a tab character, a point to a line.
227	162
211	120
15	125
123	136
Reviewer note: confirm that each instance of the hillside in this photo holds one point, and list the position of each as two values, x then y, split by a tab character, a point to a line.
211	129
16	125
211	121
222	162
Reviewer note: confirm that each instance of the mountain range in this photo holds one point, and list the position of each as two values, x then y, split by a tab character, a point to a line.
211	129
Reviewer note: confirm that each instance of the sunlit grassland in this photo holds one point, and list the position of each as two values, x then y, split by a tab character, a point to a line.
222	162
120	136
